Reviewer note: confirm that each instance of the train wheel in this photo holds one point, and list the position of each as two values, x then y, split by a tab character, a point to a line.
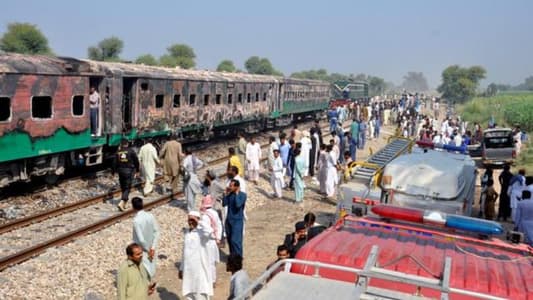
51	178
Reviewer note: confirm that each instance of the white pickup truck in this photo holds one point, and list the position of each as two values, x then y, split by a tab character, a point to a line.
498	147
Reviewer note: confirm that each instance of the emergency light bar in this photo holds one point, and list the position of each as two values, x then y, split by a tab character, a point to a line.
438	218
461	149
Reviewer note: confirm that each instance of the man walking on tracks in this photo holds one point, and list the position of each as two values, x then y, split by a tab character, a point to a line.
126	164
145	234
148	159
171	154
191	184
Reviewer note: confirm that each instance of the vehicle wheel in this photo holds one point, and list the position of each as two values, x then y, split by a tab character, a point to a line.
51	179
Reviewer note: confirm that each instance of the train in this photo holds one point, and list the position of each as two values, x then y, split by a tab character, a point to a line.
45	125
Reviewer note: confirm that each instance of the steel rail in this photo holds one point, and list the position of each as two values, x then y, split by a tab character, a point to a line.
35	250
30	252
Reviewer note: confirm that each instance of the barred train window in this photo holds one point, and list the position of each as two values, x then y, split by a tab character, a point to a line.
177	100
159	101
5	109
41	107
77	105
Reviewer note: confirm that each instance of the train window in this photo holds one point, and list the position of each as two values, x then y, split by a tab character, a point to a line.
177	100
144	86
206	100
5	109
248	98
256	97
77	105
192	99
239	98
218	99
159	101
264	96
41	107
230	98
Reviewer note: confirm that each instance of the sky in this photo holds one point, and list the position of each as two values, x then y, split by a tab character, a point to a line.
384	38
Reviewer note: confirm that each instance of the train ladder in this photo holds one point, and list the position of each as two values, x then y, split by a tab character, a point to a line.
366	171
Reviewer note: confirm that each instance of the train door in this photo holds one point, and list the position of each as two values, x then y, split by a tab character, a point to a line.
128	92
96	116
279	97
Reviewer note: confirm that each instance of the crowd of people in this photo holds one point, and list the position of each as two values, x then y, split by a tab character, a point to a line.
515	203
221	216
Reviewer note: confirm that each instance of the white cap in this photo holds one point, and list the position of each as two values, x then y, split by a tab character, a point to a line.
194	214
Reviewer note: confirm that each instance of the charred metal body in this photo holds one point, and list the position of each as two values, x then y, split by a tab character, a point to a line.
45	122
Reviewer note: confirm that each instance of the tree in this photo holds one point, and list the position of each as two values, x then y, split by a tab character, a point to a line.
320	74
376	86
459	83
415	81
146	59
107	49
168	60
263	66
226	66
528	83
178	55
492	89
24	38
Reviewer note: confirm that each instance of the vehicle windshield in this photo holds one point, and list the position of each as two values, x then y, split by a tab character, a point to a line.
498	139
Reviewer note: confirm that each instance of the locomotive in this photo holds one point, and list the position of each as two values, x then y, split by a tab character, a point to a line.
45	122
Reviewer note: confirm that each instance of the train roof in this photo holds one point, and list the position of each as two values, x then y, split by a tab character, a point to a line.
50	65
134	70
484	266
40	64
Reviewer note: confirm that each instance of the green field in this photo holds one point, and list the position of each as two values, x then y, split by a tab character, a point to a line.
508	109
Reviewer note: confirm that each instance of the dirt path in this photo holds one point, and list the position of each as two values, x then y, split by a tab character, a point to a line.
265	230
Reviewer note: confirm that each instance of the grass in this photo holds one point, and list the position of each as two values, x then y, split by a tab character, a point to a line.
508	109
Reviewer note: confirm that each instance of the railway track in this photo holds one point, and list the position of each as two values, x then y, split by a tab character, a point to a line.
79	212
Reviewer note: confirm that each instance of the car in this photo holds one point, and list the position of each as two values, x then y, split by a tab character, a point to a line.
498	147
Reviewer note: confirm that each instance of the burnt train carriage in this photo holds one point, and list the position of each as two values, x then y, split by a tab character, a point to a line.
44	108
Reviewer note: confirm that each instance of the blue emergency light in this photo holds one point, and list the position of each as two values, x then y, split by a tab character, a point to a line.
461	149
463	223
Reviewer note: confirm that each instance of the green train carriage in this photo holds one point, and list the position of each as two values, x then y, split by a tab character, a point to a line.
44	109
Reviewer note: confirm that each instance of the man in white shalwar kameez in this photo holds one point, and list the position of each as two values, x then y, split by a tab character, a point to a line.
306	150
253	156
276	178
331	169
273	146
146	235
322	168
195	269
516	186
148	159
191	185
